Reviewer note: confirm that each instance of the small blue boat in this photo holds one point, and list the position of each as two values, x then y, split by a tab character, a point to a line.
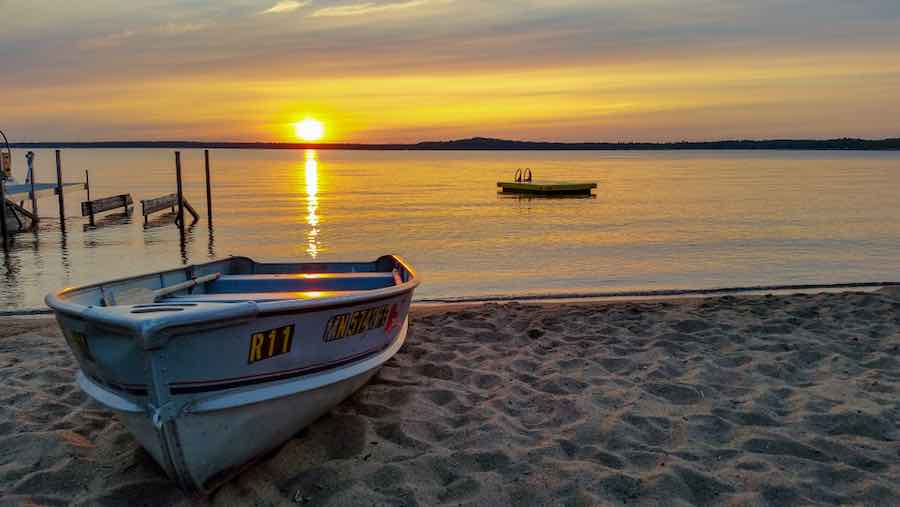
212	365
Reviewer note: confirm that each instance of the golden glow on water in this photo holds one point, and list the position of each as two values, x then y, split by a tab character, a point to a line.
661	220
312	203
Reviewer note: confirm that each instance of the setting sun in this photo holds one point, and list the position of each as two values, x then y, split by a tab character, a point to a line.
309	129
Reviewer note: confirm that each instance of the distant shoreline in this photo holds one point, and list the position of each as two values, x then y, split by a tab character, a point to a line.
482	144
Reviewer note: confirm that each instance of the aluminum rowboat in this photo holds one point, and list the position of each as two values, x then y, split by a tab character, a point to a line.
235	356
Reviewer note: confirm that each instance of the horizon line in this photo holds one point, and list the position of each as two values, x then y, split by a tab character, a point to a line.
488	143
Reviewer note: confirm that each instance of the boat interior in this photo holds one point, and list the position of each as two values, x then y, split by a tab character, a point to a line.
239	279
277	286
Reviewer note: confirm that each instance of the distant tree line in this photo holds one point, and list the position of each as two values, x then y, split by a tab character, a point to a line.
483	143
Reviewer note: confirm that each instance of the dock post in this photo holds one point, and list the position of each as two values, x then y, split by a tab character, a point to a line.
208	187
87	188
29	157
180	192
3	231
59	193
90	206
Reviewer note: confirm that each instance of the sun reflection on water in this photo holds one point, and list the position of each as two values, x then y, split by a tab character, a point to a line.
312	203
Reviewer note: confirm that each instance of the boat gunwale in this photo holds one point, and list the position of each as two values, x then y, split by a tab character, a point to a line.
231	311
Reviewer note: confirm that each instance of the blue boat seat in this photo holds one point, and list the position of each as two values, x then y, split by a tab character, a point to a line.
253	296
232	284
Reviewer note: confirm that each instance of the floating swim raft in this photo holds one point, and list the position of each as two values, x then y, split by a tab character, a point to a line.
547	187
524	184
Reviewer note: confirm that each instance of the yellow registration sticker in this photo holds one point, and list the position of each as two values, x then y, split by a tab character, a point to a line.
358	322
271	343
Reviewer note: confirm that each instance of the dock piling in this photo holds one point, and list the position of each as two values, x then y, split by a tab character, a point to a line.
180	192
208	188
3	231
29	157
87	184
59	192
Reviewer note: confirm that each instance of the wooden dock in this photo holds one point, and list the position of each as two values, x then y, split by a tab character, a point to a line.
170	202
547	188
15	218
91	208
150	206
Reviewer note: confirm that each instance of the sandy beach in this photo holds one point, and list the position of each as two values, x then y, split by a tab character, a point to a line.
754	400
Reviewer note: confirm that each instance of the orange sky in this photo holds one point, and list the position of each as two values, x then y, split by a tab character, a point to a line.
411	70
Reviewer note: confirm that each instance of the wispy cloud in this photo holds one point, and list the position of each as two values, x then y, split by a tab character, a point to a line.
115	39
285	6
180	28
107	41
370	8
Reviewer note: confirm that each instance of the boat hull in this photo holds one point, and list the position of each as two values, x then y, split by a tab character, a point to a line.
208	386
215	437
234	437
16	222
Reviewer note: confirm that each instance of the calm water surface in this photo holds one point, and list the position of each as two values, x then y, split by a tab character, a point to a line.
660	220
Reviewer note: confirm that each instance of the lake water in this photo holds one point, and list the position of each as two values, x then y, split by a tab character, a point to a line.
660	220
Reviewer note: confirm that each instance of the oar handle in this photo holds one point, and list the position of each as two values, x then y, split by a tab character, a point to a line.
165	291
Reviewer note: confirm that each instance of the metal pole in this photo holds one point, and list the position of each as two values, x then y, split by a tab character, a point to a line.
208	191
59	192
180	193
87	184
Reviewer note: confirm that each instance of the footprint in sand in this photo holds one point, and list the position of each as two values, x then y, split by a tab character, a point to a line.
679	394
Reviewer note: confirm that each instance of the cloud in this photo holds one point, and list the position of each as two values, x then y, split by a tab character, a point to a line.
369	8
285	6
666	65
180	28
115	39
107	41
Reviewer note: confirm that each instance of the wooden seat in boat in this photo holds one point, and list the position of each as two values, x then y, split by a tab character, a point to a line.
231	284
236	297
